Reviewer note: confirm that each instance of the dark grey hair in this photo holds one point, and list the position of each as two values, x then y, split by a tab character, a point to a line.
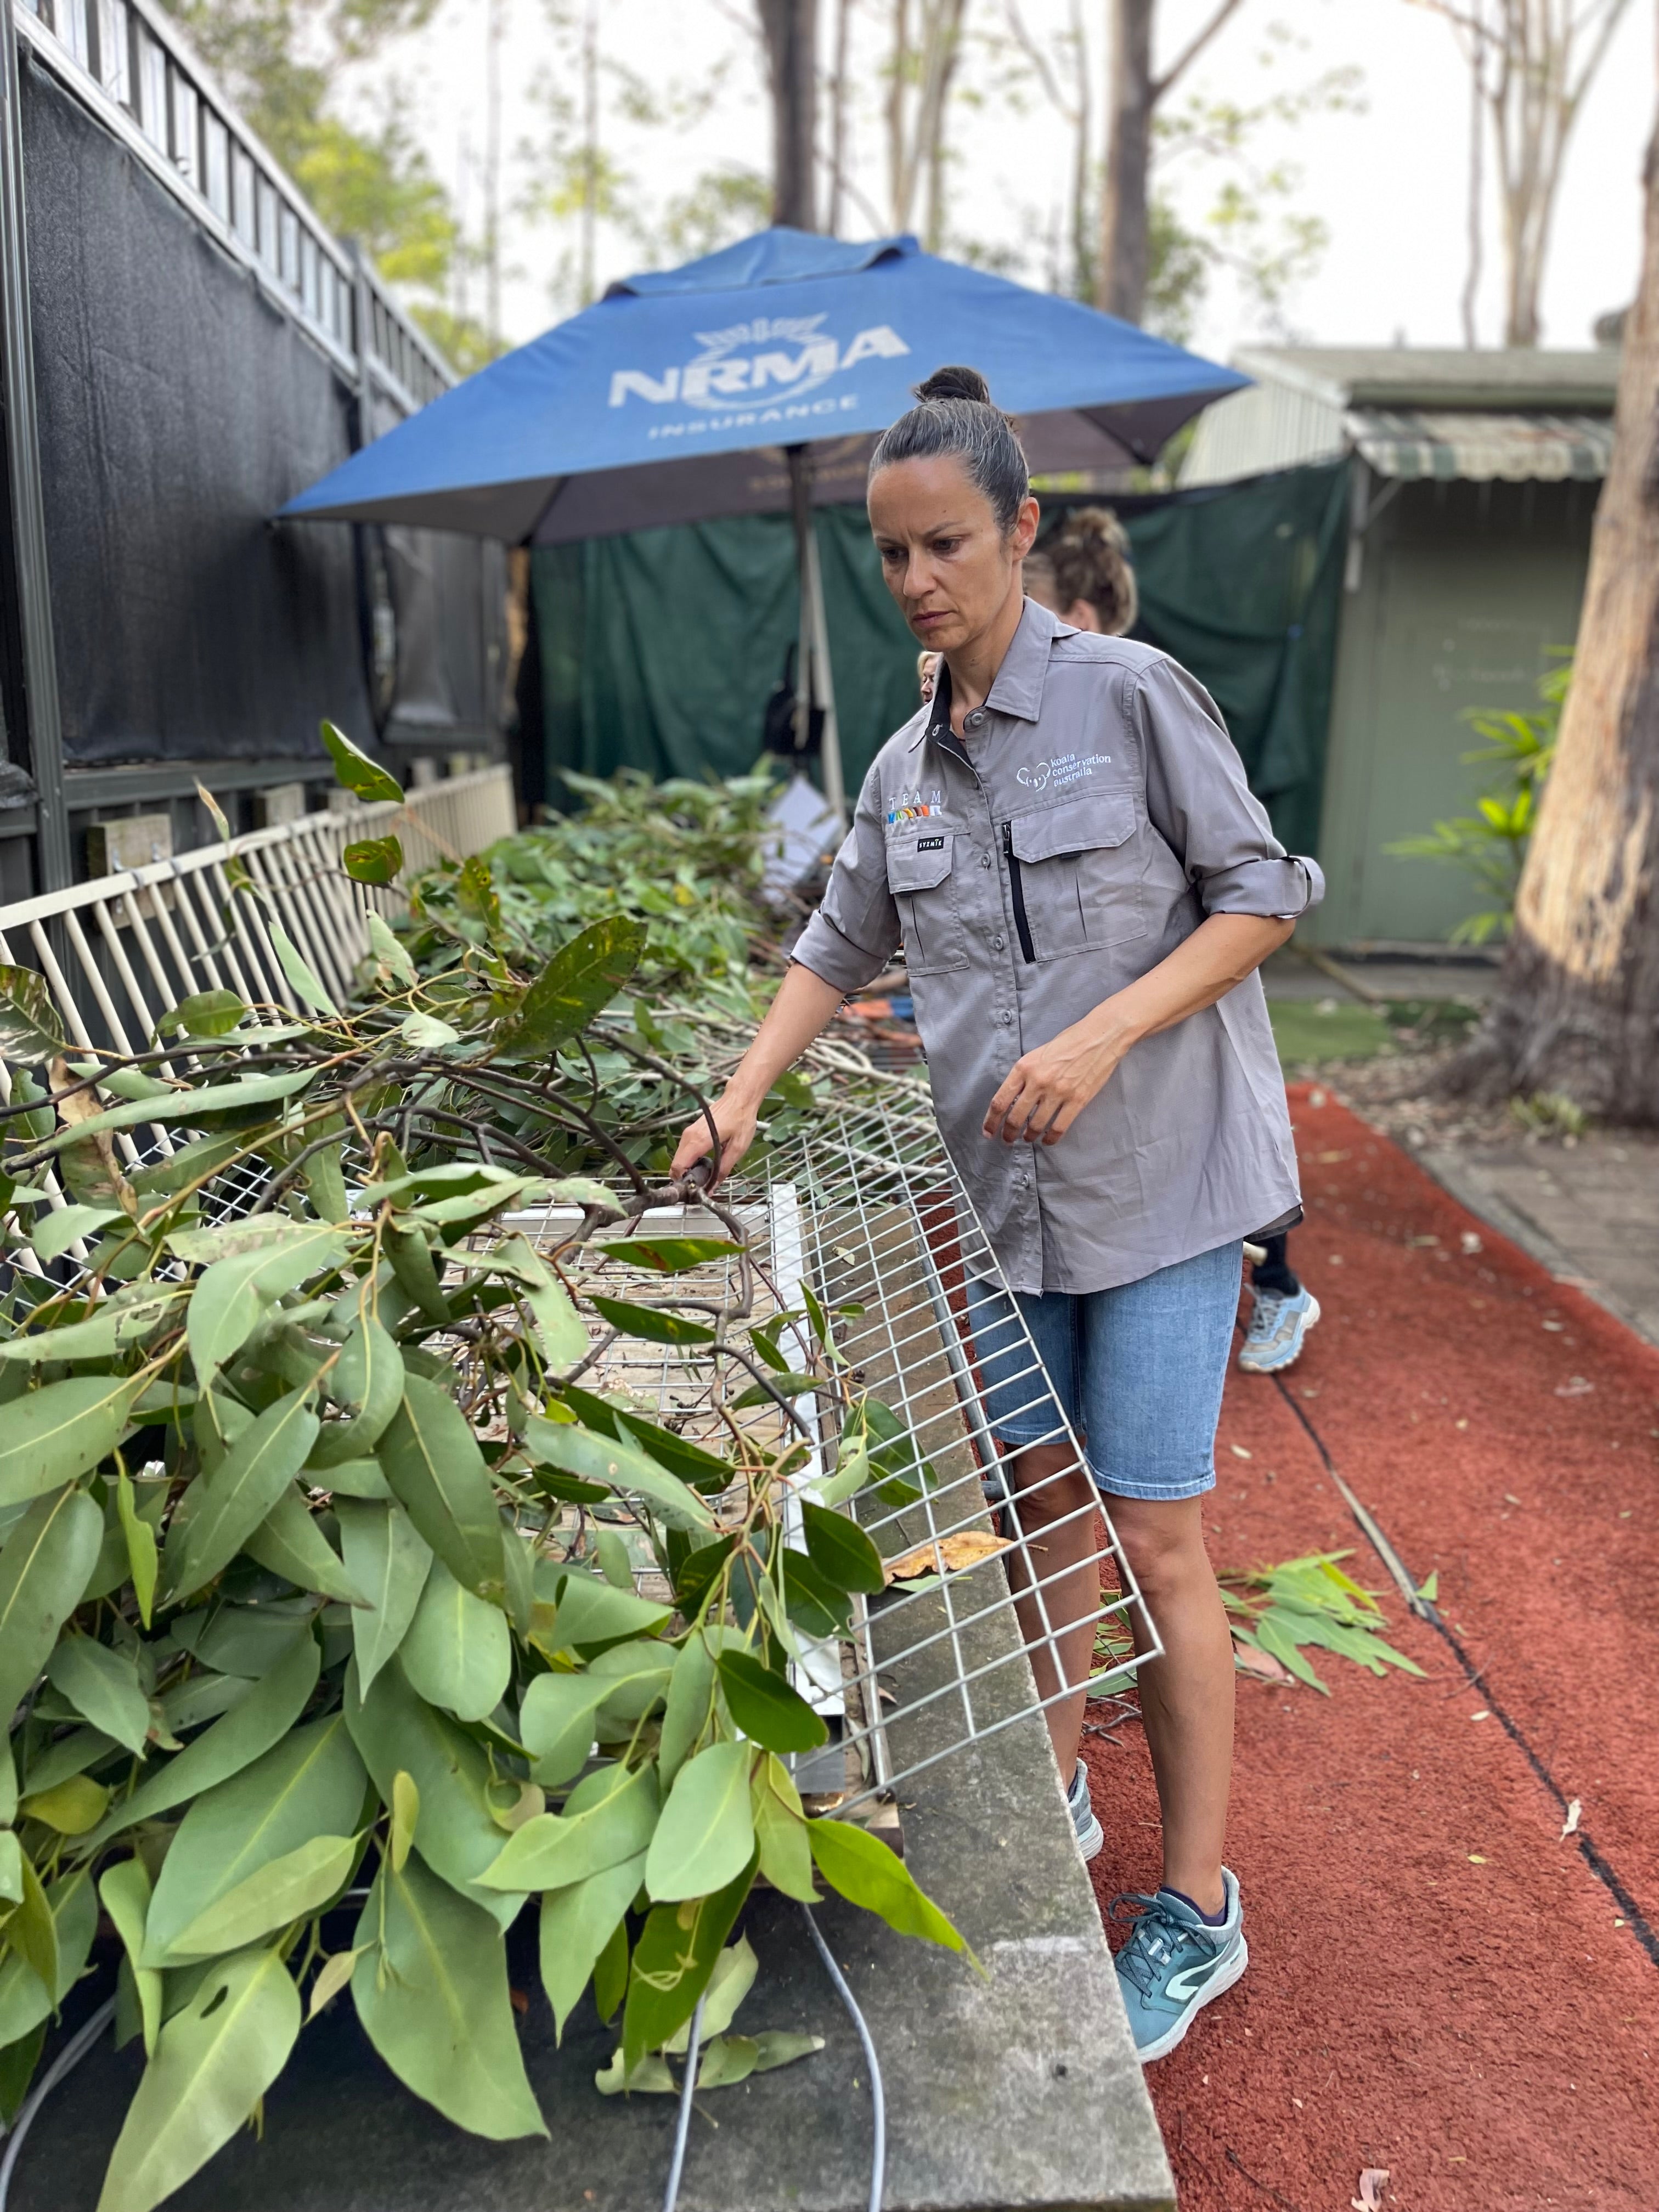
954	414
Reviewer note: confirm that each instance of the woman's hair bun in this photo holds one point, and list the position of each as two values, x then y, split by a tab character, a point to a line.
955	383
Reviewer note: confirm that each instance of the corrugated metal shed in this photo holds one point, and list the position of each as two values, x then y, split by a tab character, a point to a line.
1525	415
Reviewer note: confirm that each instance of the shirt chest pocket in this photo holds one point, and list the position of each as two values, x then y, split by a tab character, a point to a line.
922	875
1077	869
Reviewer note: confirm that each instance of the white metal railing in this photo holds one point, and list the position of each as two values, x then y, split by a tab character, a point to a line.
118	952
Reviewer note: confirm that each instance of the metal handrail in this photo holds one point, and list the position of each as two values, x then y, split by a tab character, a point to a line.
133	67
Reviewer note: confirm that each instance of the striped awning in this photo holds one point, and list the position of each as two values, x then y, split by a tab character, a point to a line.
1511	448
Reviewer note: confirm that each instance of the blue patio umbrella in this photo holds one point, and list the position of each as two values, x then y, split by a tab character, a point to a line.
755	380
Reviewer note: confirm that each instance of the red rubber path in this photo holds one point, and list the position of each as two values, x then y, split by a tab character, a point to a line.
1439	1983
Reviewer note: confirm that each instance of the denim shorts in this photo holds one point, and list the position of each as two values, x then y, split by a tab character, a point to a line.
1138	1370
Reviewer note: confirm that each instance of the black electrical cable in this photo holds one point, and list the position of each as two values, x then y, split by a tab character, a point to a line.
877	2093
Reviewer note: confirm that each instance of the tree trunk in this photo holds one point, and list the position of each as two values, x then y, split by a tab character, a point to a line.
1120	278
1578	1008
790	29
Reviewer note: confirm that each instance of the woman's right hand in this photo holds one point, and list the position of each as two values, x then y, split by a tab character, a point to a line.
736	1121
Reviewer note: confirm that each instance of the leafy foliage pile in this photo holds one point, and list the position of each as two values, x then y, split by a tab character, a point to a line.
292	1622
1310	1602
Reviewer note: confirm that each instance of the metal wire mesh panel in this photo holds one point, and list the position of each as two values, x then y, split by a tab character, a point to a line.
865	1218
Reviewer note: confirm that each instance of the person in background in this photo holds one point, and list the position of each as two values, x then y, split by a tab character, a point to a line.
1082	572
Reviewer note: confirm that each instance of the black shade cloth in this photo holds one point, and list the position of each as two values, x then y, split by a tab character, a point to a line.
178	409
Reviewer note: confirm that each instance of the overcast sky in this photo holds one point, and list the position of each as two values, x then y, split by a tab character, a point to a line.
1389	183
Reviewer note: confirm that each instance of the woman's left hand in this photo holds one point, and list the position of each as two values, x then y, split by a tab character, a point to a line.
1047	1088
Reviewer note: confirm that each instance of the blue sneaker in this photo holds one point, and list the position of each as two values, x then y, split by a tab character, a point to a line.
1174	1962
1279	1322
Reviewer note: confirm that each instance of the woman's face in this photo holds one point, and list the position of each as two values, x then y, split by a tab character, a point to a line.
947	563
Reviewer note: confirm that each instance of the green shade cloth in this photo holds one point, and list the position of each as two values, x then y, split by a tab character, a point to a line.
660	649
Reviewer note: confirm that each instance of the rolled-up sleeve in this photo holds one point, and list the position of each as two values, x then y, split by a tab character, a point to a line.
855	932
1199	803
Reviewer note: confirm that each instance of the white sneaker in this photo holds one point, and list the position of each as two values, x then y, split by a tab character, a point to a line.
1091	1838
1279	1322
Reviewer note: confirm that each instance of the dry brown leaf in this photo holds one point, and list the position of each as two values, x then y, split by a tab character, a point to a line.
82	1106
1372	2182
1260	1663
947	1554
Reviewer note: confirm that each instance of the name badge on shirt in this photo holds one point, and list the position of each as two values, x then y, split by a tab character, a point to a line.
930	844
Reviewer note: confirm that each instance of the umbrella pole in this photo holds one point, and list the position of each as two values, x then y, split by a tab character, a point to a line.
817	686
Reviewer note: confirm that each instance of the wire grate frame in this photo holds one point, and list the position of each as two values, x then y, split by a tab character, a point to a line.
979	1627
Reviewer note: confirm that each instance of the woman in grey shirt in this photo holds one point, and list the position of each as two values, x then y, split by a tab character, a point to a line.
1064	840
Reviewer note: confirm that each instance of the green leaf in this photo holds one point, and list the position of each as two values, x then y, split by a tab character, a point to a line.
69	1910
555	1724
141	1546
431	1990
214	2060
372	859
786	1853
46	1564
577	1923
125	1889
430	1457
652	1323
707	1831
71	1807
361	776
618	1466
394	1730
32	1931
840	1551
457	1652
672	1962
590	1614
51	1434
652	2077
390	954
690	1702
259	1720
310	1783
369	1376
388	1560
104	1688
584	1191
235	1294
850	1474
811	1600
426	1032
615	1563
733	2058
291	1543
765	1707
705	1471
243	1489
111	1327
670	1255
582	976
204	1013
11	1868
53	1233
608	1817
405	1819
289	1888
31	1028
560	1330
728	1985
352	1477
194	1106
867	1873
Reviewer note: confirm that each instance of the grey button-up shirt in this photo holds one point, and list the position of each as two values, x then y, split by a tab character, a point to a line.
1091	816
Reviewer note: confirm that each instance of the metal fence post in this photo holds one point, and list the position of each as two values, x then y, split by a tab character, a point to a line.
34	715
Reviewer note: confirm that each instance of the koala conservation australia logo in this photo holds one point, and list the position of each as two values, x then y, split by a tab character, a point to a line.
759	371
